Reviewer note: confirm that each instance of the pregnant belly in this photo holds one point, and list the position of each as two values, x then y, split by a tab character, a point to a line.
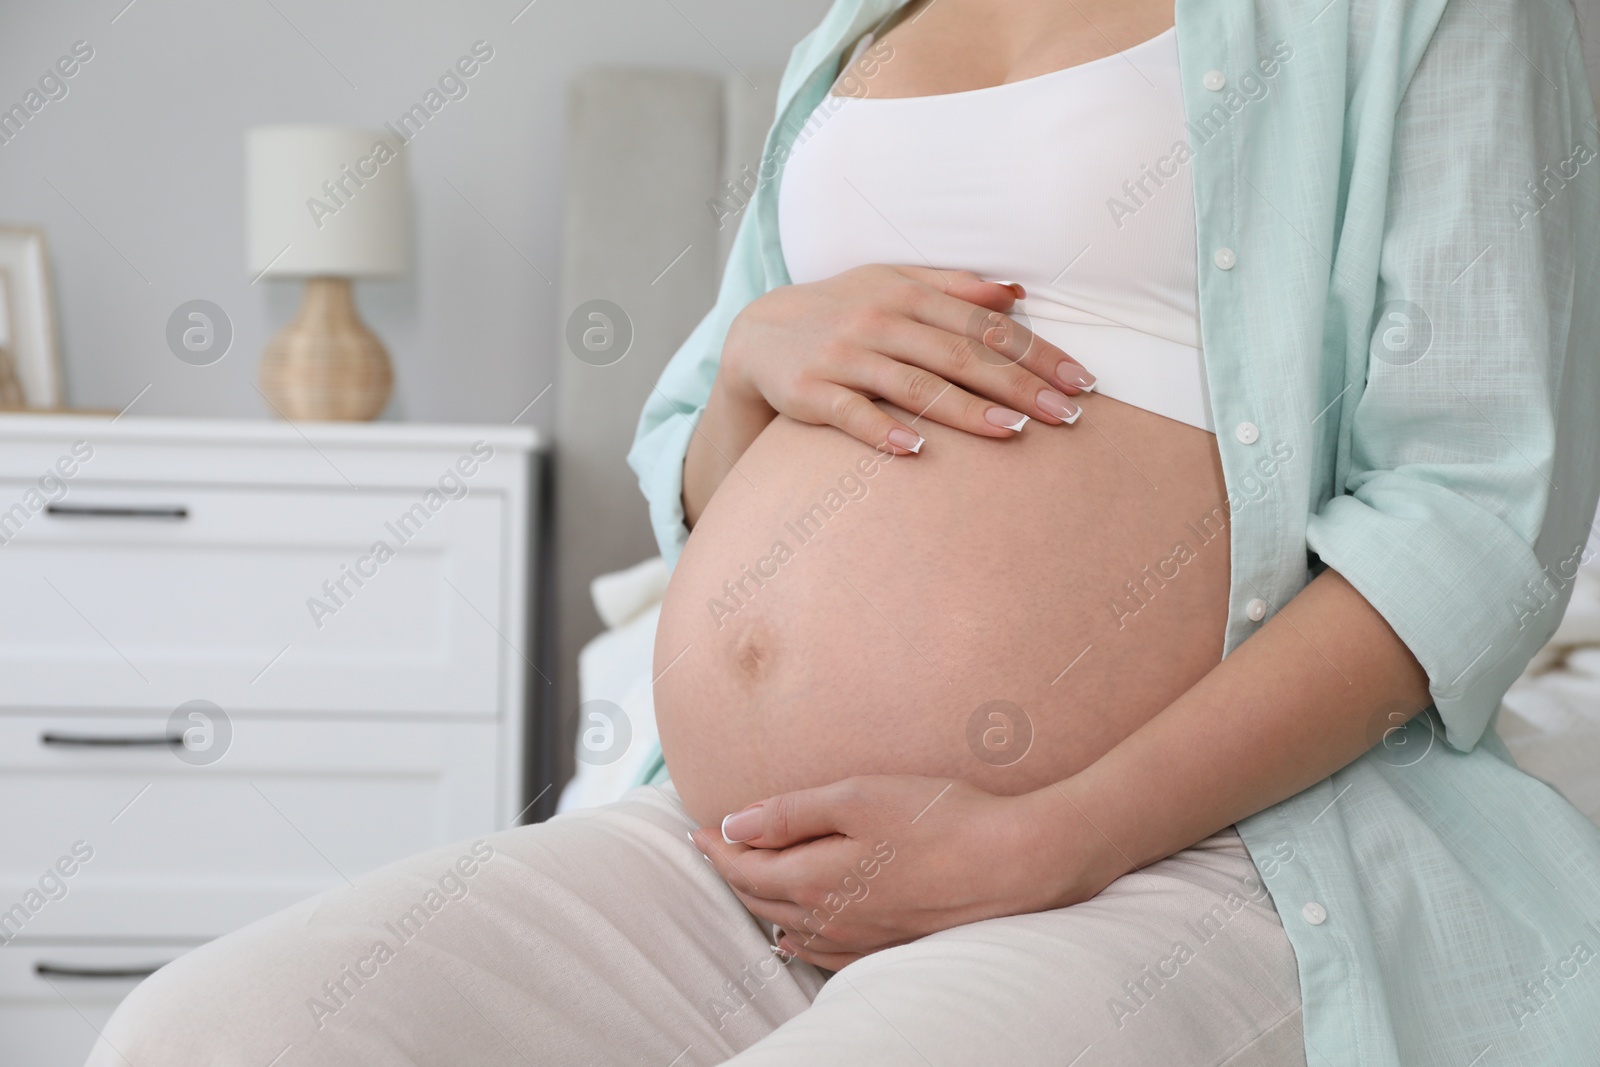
1001	611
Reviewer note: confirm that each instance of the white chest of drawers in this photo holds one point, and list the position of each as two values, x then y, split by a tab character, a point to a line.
239	662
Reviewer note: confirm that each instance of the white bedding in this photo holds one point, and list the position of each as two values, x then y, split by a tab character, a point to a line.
1550	719
616	666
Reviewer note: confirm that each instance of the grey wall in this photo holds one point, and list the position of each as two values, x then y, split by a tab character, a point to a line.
136	175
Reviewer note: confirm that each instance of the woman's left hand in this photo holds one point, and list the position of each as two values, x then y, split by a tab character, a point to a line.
871	862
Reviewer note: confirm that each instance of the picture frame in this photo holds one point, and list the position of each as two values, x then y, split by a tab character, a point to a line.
29	359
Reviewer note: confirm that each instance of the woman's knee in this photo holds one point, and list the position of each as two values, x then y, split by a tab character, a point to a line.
198	1009
276	982
361	956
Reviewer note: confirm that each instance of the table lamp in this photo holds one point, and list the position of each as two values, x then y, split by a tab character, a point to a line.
327	204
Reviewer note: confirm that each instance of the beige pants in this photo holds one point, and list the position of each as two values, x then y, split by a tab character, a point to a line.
603	937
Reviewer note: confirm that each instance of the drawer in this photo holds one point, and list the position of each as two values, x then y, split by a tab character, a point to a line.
258	599
54	998
130	842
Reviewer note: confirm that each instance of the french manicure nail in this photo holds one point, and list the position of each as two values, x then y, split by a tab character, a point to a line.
905	439
1005	418
742	825
1055	404
1075	376
1015	287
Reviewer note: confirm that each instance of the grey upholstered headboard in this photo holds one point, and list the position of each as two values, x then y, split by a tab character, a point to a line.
648	151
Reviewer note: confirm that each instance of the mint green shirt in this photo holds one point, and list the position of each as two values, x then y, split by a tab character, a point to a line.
1397	213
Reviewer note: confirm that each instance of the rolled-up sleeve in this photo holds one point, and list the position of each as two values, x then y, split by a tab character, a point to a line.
1471	476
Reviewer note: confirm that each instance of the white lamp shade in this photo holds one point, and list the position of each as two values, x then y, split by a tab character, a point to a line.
325	200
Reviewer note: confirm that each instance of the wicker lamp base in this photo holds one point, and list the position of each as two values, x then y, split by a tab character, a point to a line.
326	365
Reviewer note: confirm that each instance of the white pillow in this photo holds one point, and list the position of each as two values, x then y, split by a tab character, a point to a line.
615	667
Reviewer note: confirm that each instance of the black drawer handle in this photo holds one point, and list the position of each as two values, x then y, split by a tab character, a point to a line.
61	970
112	740
107	511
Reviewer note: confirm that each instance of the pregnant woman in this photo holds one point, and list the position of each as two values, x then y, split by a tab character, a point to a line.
1131	454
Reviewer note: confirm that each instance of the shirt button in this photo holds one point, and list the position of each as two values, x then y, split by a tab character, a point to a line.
1314	913
1247	433
1225	258
1256	609
1214	80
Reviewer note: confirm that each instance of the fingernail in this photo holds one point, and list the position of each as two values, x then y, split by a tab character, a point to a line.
1055	404
1075	376
1005	417
1015	287
905	439
742	825
1059	406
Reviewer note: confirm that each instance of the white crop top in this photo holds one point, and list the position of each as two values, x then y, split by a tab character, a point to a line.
1074	183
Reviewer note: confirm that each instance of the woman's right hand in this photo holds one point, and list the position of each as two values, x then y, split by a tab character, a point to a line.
935	343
